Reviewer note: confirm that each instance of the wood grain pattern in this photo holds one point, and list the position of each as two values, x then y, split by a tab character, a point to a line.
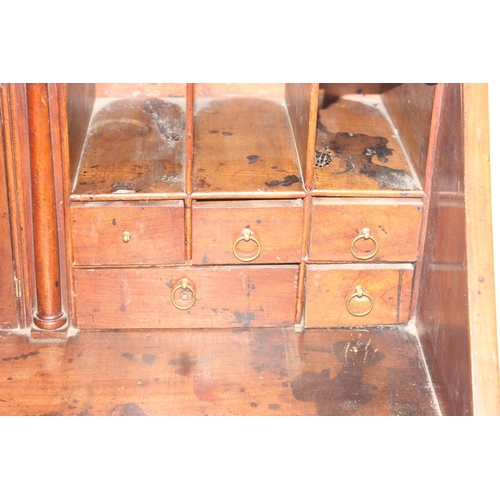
330	286
234	297
276	225
479	252
217	372
302	104
394	224
410	108
442	308
156	233
8	301
245	148
79	101
134	147
50	314
366	158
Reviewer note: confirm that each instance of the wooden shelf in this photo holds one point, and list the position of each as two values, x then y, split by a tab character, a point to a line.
135	149
245	148
358	152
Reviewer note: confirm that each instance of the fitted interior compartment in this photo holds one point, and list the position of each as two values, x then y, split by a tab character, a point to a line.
250	140
134	145
372	139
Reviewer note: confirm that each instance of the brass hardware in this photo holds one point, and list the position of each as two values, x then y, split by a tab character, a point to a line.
366	234
126	236
183	285
359	293
246	235
17	286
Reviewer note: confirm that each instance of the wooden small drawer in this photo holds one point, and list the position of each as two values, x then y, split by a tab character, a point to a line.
353	295
128	233
211	297
273	232
393	229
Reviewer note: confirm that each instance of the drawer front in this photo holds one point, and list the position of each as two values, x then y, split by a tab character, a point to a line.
260	232
212	297
337	230
128	233
348	295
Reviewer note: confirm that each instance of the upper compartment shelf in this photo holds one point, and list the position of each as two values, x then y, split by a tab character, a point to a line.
244	144
358	151
134	149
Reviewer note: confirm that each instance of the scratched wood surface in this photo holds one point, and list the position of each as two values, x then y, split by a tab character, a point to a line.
244	148
358	154
156	232
276	225
133	147
329	287
223	372
394	225
224	296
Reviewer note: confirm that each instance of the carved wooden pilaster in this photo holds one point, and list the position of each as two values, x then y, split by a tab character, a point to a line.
49	315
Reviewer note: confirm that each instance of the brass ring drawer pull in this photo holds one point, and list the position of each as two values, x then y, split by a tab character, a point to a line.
126	236
359	293
366	234
183	285
246	235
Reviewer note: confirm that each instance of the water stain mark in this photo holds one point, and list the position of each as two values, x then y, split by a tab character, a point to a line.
22	356
357	152
244	318
185	362
149	359
346	393
128	410
253	158
128	356
287	181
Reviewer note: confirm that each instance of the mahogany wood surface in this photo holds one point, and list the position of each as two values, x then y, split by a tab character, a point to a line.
336	223
217	372
133	146
156	233
244	296
479	237
410	107
276	225
302	104
365	157
330	286
78	99
8	301
245	148
15	128
442	307
47	261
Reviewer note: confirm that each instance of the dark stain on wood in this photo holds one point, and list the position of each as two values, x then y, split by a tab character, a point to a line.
128	356
149	359
357	152
244	318
253	158
186	363
346	393
287	181
274	406
128	410
21	356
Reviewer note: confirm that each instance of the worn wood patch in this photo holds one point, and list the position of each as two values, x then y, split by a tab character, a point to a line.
245	148
216	372
133	146
358	154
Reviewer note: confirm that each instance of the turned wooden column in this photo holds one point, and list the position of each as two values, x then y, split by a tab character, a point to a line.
49	315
